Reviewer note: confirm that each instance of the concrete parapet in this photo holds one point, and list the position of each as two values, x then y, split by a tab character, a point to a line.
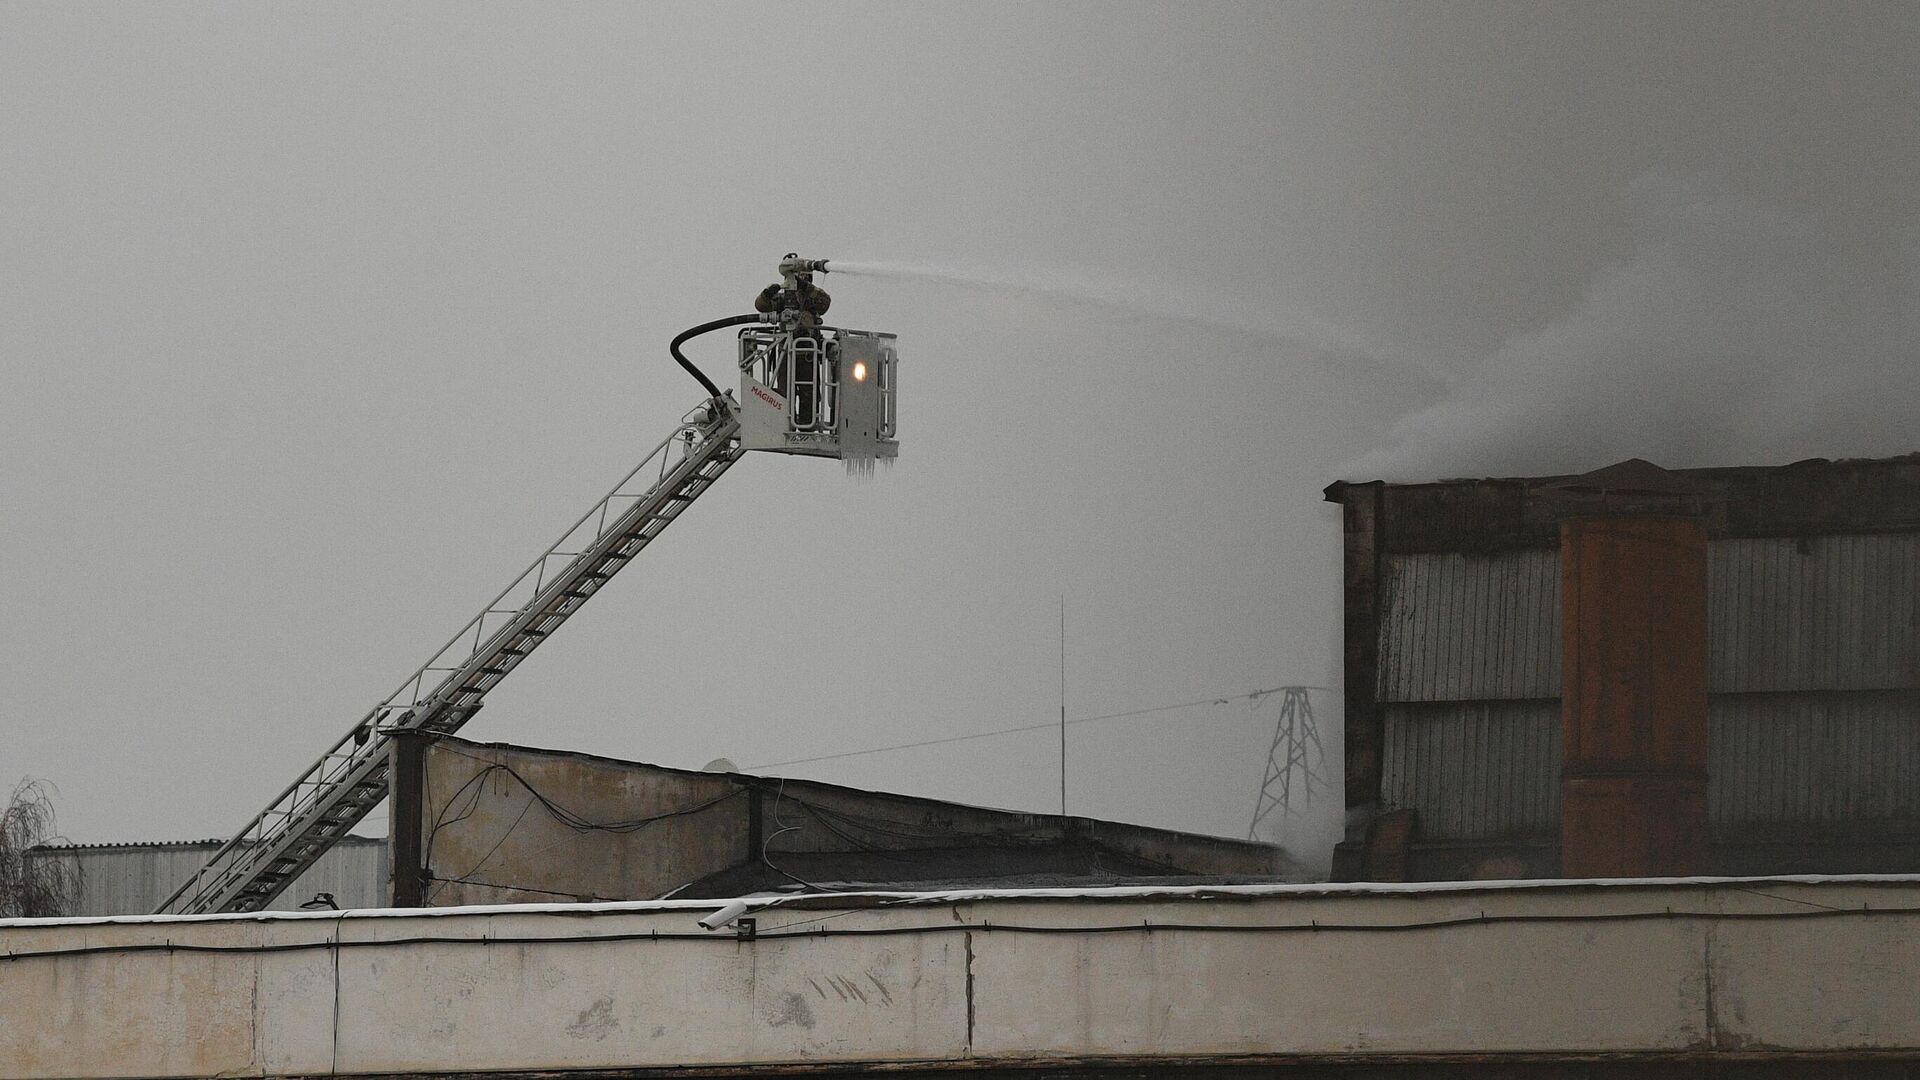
1695	970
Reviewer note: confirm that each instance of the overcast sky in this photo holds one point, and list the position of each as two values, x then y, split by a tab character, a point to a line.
319	321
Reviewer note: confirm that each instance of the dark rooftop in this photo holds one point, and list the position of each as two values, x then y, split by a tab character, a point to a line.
1806	498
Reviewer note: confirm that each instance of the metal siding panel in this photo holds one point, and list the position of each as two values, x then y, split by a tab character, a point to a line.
1814	758
1474	770
134	880
1635	699
356	875
1459	627
1814	613
1809	613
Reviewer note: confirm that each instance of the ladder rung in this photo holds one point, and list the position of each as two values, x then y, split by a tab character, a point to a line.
330	797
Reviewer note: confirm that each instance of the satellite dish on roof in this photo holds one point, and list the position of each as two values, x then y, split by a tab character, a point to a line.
720	764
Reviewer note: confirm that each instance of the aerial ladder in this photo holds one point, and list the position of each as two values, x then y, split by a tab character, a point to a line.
805	388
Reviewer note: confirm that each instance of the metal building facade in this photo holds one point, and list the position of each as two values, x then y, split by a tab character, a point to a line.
1475	770
1454	656
133	879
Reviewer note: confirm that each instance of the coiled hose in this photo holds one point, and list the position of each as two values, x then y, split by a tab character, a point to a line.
688	335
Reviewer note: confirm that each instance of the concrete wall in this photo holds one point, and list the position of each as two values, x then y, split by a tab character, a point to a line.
488	839
1661	971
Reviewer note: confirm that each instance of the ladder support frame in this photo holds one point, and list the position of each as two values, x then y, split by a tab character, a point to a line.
347	781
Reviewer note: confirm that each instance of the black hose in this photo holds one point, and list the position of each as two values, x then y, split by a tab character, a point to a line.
686	335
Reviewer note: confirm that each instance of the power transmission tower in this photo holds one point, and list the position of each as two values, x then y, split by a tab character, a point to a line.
1294	739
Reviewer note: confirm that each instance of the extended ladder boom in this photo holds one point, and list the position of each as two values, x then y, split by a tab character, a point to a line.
335	792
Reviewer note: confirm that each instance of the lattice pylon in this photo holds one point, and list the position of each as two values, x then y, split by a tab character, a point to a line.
1296	749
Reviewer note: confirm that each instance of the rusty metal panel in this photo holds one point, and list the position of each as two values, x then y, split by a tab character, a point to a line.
1475	770
1813	758
1634	593
1635	826
1634	706
1456	627
1815	613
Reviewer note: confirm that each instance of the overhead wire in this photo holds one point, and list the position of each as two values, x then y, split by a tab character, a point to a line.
1048	726
570	896
579	823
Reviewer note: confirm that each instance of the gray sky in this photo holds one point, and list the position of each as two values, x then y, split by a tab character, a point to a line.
319	321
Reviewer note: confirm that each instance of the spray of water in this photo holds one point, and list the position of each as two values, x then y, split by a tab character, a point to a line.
1124	297
1158	300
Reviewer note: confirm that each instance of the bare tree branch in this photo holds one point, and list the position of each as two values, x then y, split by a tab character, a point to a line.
34	883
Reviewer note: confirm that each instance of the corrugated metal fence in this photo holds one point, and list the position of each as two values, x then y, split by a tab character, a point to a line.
132	879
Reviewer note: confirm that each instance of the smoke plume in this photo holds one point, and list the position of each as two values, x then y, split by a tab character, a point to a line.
1733	334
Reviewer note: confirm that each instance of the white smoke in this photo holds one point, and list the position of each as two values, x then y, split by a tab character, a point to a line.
1733	334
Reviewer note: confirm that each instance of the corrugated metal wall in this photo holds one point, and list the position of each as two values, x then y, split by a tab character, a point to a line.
1809	641
1475	770
1829	758
1819	613
1816	613
134	879
1470	627
1807	638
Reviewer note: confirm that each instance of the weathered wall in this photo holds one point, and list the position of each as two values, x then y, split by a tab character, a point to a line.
613	833
1696	972
600	829
1453	670
1633	704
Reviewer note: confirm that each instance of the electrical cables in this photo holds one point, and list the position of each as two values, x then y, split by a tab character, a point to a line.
1048	726
563	815
782	827
575	821
955	927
